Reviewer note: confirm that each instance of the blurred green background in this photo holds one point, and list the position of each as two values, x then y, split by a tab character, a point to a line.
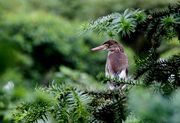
42	41
37	37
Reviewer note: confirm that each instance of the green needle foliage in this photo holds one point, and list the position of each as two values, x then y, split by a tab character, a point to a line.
62	102
158	74
66	104
124	23
157	102
133	26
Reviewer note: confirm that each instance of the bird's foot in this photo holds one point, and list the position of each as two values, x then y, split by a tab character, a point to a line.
117	86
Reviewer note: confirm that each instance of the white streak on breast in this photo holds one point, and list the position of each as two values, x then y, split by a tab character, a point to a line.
123	74
108	72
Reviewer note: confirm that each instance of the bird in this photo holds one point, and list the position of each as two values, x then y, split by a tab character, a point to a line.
116	62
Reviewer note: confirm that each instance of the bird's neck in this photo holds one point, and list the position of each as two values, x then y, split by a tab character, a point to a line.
116	49
114	52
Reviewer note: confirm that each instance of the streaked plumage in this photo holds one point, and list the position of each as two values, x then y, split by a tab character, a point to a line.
117	61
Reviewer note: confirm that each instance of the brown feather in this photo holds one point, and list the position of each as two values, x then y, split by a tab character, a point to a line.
117	61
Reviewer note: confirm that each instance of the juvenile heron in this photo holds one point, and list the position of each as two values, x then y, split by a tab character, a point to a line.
116	63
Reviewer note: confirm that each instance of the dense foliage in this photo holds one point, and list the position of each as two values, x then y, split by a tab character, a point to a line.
41	47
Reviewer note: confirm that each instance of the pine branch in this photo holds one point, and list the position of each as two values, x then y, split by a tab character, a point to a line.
66	104
154	25
109	106
144	63
116	23
128	81
162	70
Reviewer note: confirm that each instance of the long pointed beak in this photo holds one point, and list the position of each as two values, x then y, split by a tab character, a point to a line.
101	47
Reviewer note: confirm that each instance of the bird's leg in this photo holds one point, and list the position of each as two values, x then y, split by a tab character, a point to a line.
111	85
114	84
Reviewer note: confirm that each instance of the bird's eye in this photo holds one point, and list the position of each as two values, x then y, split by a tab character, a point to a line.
107	45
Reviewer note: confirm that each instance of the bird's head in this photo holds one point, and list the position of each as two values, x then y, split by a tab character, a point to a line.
110	45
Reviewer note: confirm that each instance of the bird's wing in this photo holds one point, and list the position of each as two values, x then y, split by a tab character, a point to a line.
118	62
